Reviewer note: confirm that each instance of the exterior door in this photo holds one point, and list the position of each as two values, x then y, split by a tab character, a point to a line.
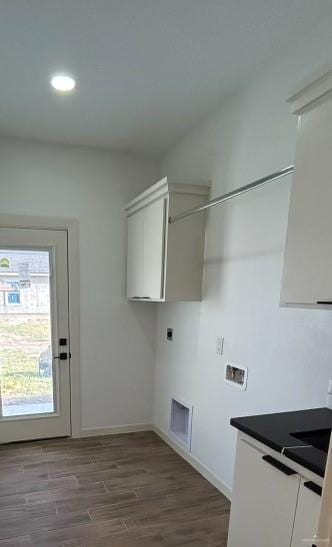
34	335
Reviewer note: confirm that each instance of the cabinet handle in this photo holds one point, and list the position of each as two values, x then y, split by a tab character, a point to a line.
278	465
136	297
146	297
313	487
326	302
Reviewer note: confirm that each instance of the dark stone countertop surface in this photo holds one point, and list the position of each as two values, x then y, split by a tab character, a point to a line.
276	431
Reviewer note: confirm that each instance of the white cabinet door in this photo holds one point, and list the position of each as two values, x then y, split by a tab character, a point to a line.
135	255
263	502
153	249
307	514
307	275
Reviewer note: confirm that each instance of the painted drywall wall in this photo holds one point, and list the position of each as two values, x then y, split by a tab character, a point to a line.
288	351
117	338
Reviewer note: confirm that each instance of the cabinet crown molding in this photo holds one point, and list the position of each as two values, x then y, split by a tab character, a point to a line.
311	92
164	187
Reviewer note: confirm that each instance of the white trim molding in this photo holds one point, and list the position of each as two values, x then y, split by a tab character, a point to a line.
115	430
162	189
71	227
195	463
311	92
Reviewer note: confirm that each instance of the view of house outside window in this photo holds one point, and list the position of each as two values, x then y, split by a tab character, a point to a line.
26	382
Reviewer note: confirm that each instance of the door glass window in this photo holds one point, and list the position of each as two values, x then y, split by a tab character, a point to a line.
26	370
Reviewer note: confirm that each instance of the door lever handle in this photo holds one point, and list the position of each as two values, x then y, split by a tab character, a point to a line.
62	356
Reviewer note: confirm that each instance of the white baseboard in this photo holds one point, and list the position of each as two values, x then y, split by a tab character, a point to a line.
114	430
199	466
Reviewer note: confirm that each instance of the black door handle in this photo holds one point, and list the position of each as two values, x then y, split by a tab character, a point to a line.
313	487
278	465
325	302
63	356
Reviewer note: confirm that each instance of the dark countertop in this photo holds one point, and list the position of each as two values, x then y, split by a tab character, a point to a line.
275	431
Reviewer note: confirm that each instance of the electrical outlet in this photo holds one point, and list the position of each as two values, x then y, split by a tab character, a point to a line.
220	345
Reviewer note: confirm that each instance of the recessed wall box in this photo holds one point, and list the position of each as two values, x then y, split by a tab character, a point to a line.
237	375
181	422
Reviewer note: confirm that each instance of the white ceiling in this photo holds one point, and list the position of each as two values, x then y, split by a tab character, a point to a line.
147	70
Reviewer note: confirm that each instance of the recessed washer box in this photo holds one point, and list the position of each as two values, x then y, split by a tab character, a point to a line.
236	375
181	422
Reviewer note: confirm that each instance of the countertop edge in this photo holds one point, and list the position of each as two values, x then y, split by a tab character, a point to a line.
257	436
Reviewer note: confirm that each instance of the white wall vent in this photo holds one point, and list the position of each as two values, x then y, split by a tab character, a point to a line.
181	422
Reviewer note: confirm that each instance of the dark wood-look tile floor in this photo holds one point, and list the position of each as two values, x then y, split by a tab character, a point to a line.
117	491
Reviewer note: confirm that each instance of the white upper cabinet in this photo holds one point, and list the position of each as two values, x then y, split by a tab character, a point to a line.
135	255
307	276
153	248
165	261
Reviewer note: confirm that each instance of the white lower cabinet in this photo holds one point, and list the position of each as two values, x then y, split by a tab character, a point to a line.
263	502
271	506
307	514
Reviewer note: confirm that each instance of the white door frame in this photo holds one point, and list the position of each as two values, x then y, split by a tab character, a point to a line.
71	227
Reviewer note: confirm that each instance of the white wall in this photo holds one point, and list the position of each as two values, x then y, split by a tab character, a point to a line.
288	351
117	338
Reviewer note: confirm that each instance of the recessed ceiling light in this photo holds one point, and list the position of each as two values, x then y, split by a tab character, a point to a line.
63	83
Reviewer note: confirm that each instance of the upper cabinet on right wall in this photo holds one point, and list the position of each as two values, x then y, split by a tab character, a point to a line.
307	276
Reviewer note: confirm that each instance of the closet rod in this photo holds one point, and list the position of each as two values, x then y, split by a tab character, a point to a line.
242	190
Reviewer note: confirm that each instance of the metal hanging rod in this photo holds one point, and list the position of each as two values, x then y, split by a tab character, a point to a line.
230	195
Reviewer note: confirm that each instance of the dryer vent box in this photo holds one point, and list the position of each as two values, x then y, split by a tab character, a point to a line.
181	422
